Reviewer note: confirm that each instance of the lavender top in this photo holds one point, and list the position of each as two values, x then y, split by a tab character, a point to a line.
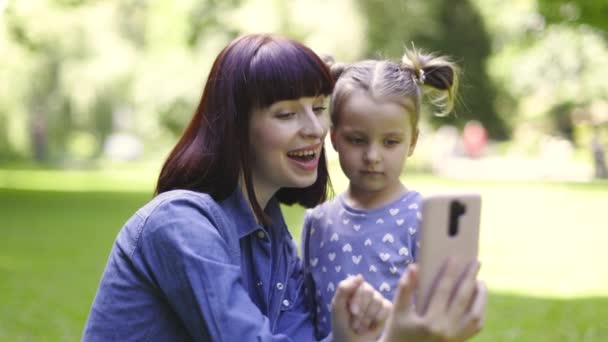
338	241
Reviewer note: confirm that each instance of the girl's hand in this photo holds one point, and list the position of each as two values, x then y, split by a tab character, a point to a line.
358	311
455	310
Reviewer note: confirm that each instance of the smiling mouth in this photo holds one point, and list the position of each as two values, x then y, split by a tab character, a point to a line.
306	154
303	156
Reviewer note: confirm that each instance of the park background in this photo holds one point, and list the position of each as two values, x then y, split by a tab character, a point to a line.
94	93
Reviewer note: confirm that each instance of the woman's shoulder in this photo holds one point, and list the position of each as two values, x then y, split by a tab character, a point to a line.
185	214
184	206
176	198
167	206
160	215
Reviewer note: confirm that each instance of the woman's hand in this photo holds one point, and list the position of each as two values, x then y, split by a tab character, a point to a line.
454	312
358	311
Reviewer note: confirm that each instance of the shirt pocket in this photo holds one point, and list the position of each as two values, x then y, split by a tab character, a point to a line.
294	316
293	291
293	295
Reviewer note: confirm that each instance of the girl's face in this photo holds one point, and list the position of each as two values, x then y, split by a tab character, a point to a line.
373	140
286	141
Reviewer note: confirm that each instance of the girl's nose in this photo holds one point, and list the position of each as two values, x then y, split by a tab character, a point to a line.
372	155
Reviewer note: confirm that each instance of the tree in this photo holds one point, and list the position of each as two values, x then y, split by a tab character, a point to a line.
452	27
82	62
586	12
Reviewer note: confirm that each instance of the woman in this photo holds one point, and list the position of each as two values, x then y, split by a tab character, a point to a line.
210	257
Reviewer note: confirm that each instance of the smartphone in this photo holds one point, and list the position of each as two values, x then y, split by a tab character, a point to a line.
449	228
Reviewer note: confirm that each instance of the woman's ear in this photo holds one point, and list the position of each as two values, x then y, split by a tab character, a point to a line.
414	142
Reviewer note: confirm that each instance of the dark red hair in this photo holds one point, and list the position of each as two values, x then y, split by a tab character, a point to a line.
252	72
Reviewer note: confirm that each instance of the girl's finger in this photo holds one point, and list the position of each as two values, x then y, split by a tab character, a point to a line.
371	314
345	290
361	298
385	312
359	303
407	283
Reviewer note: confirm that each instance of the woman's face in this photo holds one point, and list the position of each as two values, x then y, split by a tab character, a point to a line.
285	143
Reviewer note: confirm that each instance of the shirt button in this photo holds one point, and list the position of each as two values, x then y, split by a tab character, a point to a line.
261	234
280	286
259	284
285	302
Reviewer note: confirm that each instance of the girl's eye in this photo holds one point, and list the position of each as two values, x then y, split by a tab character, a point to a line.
319	109
392	142
355	140
285	115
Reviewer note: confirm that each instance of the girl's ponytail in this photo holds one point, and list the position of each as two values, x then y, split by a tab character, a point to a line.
336	69
437	77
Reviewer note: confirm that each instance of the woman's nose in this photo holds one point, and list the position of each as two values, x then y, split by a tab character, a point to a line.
314	126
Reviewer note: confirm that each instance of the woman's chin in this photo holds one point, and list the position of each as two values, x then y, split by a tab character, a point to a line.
304	181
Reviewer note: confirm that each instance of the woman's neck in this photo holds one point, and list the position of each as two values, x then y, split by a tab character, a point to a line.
262	195
365	199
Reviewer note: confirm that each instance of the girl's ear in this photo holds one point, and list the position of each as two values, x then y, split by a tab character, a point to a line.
332	136
414	142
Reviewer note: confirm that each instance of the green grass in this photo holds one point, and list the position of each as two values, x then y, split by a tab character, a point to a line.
53	249
542	249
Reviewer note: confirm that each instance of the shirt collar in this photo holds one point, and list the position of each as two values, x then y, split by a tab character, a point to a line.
237	206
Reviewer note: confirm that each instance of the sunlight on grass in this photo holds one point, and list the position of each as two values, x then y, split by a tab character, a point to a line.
9	263
117	179
544	241
53	249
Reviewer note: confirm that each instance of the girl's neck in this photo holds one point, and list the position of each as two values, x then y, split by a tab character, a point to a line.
366	200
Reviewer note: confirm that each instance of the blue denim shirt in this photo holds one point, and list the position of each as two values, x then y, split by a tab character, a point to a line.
185	267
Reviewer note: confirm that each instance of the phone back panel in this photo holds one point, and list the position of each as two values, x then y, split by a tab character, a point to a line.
436	243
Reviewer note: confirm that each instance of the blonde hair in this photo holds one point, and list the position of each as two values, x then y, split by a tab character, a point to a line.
419	74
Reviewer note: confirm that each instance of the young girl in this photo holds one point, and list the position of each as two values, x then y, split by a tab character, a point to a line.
371	229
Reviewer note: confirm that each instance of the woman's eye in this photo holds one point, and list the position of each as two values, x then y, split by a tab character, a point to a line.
319	109
285	115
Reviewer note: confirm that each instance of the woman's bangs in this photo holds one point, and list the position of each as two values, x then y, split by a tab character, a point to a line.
278	74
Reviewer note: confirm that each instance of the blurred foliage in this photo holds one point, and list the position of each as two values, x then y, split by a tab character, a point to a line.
552	68
445	27
98	67
75	72
587	12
